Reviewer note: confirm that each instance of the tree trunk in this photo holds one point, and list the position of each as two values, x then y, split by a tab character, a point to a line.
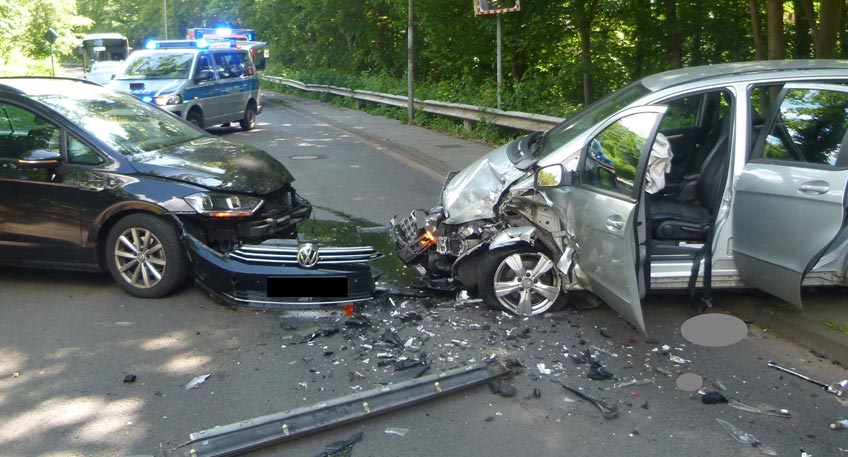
642	13
757	29
586	61
803	45
774	17
674	49
826	28
586	16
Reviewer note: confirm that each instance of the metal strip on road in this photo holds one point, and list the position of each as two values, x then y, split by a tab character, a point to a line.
252	434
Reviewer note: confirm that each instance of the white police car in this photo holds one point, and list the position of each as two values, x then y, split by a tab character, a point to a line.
202	83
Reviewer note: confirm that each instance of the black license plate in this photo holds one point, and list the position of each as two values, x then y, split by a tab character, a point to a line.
308	286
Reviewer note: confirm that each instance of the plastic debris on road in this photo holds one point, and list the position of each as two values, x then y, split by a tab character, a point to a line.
341	448
196	382
397	431
839	425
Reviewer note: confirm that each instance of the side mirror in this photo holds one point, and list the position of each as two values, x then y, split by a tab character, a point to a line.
553	176
203	75
40	158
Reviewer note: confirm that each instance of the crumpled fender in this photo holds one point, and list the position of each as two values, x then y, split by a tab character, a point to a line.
513	235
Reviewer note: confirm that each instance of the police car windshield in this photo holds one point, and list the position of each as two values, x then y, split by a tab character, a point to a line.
157	65
123	123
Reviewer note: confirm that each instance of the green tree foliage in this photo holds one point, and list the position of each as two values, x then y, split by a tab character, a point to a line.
557	54
25	50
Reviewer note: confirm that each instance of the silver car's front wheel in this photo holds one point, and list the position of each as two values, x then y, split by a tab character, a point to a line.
145	257
519	280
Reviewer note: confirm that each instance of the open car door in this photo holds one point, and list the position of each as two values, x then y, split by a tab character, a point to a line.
789	202
603	211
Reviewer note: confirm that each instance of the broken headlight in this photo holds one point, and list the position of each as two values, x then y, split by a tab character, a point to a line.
219	205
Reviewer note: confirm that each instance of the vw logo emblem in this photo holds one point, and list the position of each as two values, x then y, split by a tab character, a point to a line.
307	255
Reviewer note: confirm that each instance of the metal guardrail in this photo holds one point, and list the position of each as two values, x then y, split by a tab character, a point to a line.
512	119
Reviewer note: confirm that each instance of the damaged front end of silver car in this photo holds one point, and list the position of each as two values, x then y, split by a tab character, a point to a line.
492	234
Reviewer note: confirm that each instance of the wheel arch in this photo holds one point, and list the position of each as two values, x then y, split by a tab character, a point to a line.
107	219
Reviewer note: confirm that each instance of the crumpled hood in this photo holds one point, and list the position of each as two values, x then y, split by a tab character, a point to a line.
147	87
216	164
473	192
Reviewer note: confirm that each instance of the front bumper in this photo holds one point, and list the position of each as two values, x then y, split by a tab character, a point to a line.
267	275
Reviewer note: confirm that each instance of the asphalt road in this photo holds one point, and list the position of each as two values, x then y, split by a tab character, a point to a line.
68	341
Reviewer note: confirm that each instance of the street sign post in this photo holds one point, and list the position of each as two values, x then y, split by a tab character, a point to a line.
497	7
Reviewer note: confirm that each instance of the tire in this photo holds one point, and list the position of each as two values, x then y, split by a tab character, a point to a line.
195	117
249	120
149	238
508	282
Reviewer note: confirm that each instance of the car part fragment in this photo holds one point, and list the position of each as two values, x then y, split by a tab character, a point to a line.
607	410
251	434
837	388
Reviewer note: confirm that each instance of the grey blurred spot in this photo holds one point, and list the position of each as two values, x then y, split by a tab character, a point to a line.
689	382
714	330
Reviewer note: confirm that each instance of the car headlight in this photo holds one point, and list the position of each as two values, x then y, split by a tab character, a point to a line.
223	205
165	100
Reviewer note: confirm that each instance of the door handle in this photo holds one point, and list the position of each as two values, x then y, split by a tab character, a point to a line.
814	188
614	223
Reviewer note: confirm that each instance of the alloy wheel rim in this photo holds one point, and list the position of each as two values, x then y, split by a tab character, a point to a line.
526	283
140	257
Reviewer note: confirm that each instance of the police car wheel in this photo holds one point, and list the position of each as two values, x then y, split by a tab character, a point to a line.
249	120
195	118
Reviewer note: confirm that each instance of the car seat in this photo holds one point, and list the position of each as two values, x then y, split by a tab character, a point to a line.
675	219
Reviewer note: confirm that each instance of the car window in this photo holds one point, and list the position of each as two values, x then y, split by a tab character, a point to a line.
121	122
174	65
21	130
810	127
578	124
612	156
80	153
230	64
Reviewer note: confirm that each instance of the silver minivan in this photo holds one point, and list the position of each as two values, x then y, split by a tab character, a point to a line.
730	175
205	85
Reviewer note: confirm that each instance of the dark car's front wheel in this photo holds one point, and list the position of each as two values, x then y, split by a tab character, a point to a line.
520	280
144	256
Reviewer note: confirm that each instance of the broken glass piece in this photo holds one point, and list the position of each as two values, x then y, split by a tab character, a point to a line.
397	431
633	382
737	434
678	360
745	438
784	413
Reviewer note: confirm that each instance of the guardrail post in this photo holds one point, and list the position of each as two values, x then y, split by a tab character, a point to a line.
468	124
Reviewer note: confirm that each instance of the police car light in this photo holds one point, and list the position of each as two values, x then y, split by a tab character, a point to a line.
151	44
202	43
223	32
147	99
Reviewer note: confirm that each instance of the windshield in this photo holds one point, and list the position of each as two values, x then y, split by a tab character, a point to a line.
123	123
171	65
589	117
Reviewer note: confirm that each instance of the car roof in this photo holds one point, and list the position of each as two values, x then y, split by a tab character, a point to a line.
45	85
742	70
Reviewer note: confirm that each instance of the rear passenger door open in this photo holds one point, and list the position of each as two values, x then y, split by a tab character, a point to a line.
790	198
